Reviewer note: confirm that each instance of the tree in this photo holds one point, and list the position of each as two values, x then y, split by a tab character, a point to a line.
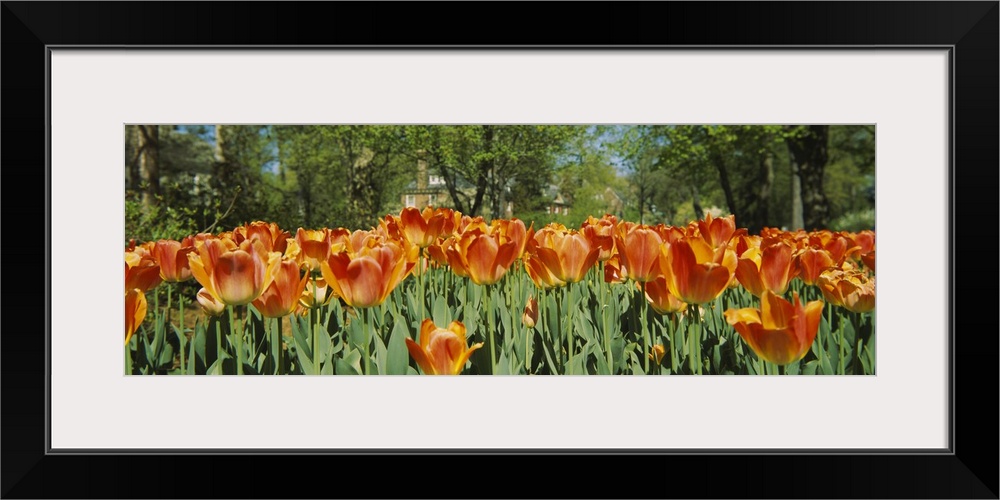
149	163
488	157
807	145
587	179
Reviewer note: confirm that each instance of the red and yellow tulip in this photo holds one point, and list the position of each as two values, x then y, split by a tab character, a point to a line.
850	289
530	316
567	255
273	237
601	234
780	332
282	296
135	311
233	274
638	249
812	262
171	255
423	228
441	351
365	277
209	304
769	267
696	273
660	299
481	256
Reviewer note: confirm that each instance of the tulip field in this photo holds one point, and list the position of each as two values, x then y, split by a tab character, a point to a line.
434	291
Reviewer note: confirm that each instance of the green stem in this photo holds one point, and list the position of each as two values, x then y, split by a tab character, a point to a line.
181	339
128	357
840	344
420	281
674	319
604	294
167	322
558	339
368	339
528	332
490	328
277	339
823	341
191	357
315	314
645	330
568	296
696	340
218	336
238	334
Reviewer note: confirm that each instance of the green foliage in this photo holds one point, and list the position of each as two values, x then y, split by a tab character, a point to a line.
854	221
348	176
160	221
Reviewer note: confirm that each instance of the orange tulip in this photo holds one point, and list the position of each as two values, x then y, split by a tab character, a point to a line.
781	332
613	272
812	262
852	290
211	305
601	234
512	230
658	352
171	255
481	256
441	351
135	311
769	268
540	274
365	277
280	298
273	237
530	316
141	271
316	294
696	273
568	255
717	231
233	274
638	251
423	228
315	246
660	299
868	259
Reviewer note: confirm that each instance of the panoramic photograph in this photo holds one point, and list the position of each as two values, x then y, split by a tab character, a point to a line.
499	249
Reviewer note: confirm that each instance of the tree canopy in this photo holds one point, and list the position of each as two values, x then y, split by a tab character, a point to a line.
190	178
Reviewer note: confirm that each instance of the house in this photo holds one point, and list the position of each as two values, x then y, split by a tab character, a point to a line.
611	201
430	189
556	203
425	189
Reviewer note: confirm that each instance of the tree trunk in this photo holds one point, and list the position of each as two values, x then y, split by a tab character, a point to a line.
149	163
809	152
757	195
699	212
727	188
765	181
220	150
796	222
133	154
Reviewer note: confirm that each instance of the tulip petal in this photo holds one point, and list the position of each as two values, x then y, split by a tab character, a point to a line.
234	278
749	276
364	277
482	256
135	311
776	268
418	355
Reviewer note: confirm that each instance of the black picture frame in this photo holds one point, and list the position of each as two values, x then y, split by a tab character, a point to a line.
967	470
